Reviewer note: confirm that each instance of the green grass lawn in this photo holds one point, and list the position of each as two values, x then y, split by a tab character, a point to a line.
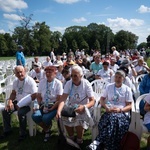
34	143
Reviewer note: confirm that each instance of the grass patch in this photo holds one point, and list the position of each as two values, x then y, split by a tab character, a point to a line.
30	143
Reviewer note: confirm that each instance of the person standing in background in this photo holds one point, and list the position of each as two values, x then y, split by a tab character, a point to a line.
20	58
52	55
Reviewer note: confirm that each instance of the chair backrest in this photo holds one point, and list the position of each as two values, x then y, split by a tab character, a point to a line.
139	99
139	78
8	90
99	85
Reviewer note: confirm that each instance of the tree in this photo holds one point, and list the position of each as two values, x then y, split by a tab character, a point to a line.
55	39
84	45
64	46
74	45
42	37
11	45
125	40
148	41
142	45
97	45
3	46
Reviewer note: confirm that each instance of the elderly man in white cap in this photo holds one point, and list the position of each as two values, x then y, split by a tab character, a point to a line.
37	73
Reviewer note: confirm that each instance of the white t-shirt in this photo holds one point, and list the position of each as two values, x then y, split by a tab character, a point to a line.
78	94
39	76
25	87
59	76
140	68
115	53
47	63
50	90
147	115
105	74
114	68
38	63
118	96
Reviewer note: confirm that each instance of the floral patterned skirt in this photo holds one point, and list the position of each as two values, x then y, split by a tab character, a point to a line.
112	127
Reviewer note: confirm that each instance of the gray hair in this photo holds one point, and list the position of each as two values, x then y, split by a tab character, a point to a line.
120	72
78	69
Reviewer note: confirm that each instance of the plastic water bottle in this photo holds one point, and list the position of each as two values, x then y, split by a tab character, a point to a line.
109	104
36	105
45	109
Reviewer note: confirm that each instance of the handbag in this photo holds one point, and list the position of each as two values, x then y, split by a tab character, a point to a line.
68	111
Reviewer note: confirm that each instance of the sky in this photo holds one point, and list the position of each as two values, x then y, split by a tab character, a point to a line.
128	15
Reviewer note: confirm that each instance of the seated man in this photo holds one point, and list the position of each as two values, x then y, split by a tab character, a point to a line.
37	73
36	61
23	85
47	62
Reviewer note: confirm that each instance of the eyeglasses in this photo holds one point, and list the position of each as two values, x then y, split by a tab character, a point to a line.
74	76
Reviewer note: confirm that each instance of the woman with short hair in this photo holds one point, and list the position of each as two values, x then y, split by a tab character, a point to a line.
114	123
80	94
48	96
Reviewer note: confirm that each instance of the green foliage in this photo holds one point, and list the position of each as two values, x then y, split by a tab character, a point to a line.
142	45
39	39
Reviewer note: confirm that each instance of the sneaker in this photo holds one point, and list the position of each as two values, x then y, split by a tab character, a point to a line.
47	136
93	146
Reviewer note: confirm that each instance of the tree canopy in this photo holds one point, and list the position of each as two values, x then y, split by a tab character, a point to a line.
40	40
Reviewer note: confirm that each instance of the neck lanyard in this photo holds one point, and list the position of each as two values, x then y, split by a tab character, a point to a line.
116	96
20	89
48	90
71	91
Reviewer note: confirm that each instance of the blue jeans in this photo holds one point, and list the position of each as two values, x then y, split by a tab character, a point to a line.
22	119
38	117
148	126
141	106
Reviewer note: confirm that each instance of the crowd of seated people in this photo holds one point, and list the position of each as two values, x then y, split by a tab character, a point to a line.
55	85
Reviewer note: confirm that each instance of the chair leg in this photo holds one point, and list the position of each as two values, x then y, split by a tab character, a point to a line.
31	125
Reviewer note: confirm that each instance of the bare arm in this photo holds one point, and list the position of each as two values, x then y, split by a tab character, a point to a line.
39	98
81	108
12	97
61	105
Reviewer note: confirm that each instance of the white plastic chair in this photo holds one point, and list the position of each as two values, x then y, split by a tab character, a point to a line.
140	128
96	116
99	85
138	80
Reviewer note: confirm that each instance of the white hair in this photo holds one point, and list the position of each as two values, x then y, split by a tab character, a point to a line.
78	69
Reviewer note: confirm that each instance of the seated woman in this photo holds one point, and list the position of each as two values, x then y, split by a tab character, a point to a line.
114	123
80	93
105	73
49	92
141	67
